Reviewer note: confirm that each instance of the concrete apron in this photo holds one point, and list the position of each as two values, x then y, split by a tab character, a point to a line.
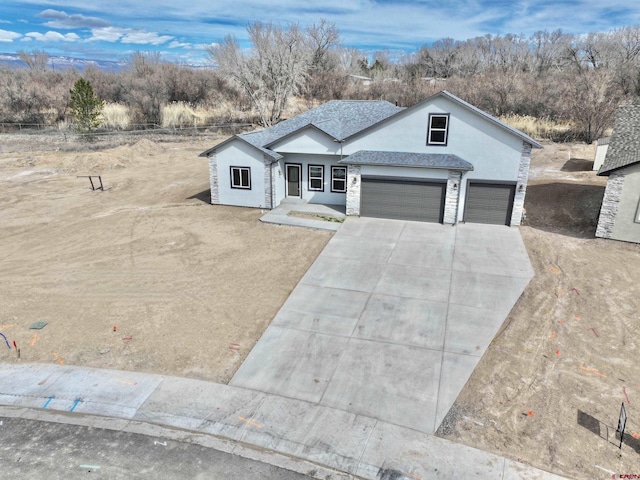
391	319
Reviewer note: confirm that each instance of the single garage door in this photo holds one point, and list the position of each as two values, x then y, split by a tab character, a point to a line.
402	199
489	203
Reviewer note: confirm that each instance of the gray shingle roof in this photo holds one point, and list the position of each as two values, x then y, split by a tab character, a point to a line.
408	159
337	118
624	146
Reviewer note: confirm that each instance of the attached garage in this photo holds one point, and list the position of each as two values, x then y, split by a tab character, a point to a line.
402	199
489	203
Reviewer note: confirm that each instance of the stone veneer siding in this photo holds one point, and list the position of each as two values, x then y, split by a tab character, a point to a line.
452	198
354	182
610	202
268	185
521	185
213	179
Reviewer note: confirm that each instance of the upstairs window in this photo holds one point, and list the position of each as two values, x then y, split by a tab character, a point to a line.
338	179
316	178
241	177
438	129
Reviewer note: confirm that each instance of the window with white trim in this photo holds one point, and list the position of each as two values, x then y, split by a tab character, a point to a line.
438	133
316	178
241	177
338	179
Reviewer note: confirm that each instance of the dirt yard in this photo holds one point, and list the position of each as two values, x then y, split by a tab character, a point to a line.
144	276
548	390
191	288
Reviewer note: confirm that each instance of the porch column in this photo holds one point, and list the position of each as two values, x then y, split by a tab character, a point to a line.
521	186
452	197
354	181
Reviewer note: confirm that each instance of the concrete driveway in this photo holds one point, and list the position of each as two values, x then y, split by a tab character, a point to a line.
391	319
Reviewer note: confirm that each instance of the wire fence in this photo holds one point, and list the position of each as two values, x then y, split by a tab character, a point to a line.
142	128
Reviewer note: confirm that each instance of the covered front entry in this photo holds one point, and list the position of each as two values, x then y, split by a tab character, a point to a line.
489	203
293	178
402	199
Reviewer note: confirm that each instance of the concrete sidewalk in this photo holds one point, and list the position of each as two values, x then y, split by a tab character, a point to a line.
308	438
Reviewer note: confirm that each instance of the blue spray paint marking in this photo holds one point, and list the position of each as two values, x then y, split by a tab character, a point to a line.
75	404
46	404
6	341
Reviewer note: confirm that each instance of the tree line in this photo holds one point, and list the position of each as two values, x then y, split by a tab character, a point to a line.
551	75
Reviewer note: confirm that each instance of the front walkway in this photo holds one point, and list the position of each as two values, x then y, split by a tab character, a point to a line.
313	215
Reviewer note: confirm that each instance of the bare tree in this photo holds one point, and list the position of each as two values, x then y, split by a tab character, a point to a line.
36	60
271	72
591	102
321	39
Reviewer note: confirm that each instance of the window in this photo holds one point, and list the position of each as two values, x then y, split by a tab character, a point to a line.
438	129
316	178
241	177
338	179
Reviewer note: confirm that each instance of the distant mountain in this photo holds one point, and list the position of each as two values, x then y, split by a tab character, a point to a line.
59	62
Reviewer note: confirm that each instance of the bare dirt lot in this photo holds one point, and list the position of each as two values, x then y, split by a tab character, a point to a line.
549	388
190	287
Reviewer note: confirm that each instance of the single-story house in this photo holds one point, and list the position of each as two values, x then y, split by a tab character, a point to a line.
440	160
620	212
602	145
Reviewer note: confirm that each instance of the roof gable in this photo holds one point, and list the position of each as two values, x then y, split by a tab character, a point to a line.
624	145
466	105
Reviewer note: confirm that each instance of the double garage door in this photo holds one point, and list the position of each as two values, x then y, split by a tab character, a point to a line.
423	201
402	199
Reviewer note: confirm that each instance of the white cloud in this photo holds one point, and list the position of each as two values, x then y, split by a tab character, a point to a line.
60	19
177	44
7	36
145	38
51	36
108	34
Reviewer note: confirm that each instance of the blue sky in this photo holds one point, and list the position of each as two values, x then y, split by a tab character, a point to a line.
180	30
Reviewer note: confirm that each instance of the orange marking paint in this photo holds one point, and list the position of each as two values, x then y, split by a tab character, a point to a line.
250	423
557	352
578	317
127	382
7	325
58	358
635	435
555	270
530	413
592	370
553	336
34	339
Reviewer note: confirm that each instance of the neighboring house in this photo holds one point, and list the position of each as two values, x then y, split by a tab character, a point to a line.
602	145
620	212
441	160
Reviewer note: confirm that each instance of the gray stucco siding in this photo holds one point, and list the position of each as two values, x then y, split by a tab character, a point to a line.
325	196
309	140
239	154
494	152
626	227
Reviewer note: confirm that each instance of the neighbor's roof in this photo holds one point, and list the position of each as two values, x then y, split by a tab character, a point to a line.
624	146
408	159
603	141
338	118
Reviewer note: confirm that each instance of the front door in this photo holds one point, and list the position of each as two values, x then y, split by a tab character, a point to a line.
293	180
